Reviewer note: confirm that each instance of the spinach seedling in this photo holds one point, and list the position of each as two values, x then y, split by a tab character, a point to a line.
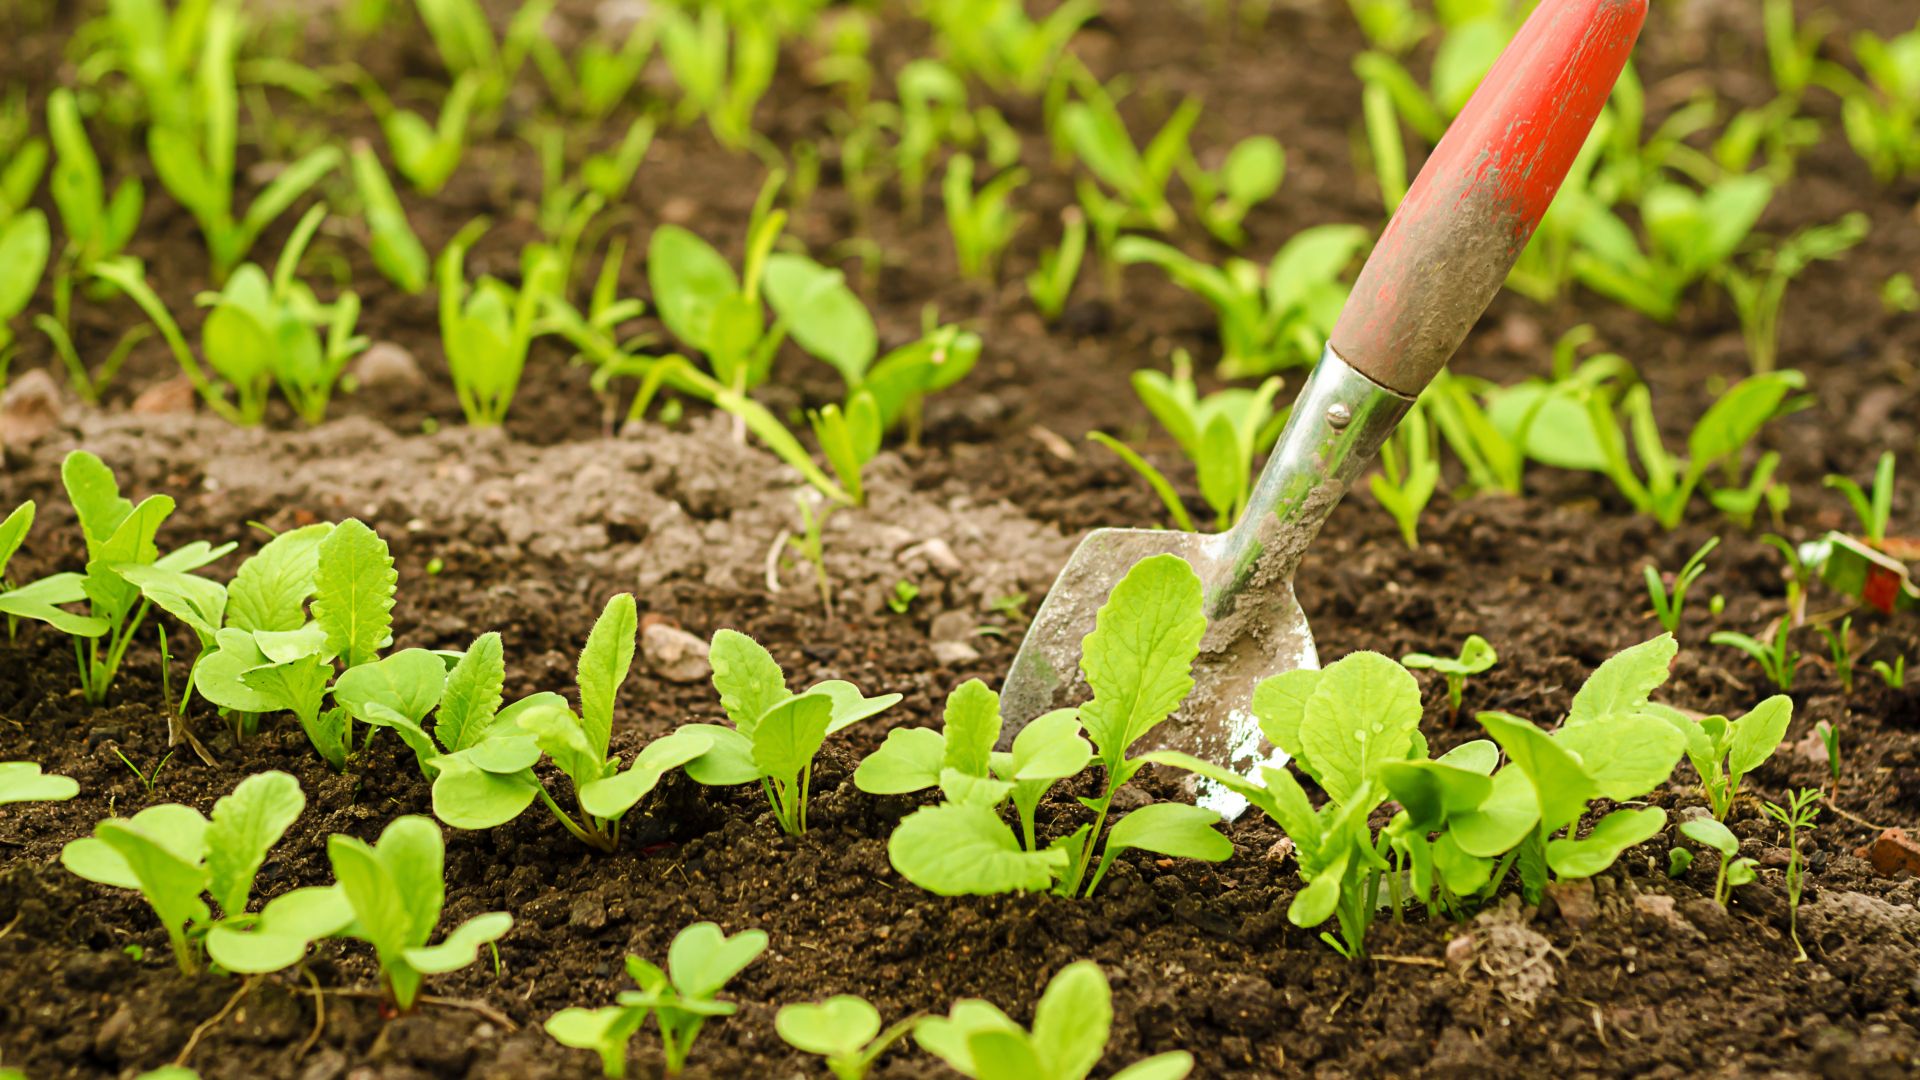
97	225
1098	136
426	153
1724	751
1071	1024
25	154
900	601
1797	815
396	248
195	162
1220	434
961	761
775	733
724	88
172	855
1002	44
844	1029
1873	508
119	536
1409	474
1717	439
1476	656
395	889
600	73
465	40
1840	647
1494	456
1894	674
1830	742
486	329
1759	291
1272	318
25	241
982	221
1051	283
1689	236
22	781
1613	746
681	998
1881	113
1777	658
1253	171
1667	606
1734	870
486	777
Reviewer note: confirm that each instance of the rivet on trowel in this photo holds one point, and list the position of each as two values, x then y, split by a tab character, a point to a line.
1339	415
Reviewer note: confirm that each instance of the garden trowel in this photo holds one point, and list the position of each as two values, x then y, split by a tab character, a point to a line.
1436	268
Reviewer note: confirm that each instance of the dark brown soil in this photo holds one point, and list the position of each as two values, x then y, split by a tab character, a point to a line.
1201	956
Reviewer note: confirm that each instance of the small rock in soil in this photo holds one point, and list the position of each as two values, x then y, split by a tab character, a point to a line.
1711	919
1282	849
588	913
1573	902
674	654
954	653
1460	954
168	397
1662	907
387	364
106	1040
1893	853
952	626
938	554
30	410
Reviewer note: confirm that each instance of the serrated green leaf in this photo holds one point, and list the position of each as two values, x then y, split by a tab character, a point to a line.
747	678
244	827
1074	1017
1139	657
353	592
1560	782
1624	682
1757	735
1171	828
604	664
408	683
1625	754
1363	712
270	590
1280	704
472	694
972	721
95	496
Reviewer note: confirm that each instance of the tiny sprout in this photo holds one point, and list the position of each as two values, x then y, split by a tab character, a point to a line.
1894	674
435	565
1899	295
905	592
1734	869
150	779
1830	739
1802	807
1475	657
1718	604
844	1029
1840	644
1778	658
1873	507
1667	606
1679	861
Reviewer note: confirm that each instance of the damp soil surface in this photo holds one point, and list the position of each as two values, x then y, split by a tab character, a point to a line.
529	530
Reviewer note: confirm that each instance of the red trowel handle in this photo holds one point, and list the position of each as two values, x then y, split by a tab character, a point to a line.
1476	203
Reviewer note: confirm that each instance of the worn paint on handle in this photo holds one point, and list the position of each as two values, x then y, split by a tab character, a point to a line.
1483	192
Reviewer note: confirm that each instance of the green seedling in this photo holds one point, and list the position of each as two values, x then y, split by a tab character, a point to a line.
119	536
487	328
844	1029
263	332
13	533
1759	290
396	248
1873	508
1251	174
22	781
1668	606
775	733
1409	474
1679	861
1270	320
999	42
467	45
982	221
1830	742
1742	504
724	66
1051	283
25	155
271	657
1393	26
149	779
1717	440
1777	657
1138	661
1881	113
1476	656
1689	235
1093	128
1899	295
1840	648
1734	870
600	74
681	998
172	855
155	49
961	761
195	161
900	601
97	225
426	154
1797	815
1494	456
1071	1024
1220	434
932	114
1542	420
1894	675
1724	751
486	776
